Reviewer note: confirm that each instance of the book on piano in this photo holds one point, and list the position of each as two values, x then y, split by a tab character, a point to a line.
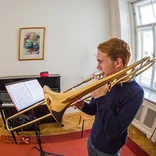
25	93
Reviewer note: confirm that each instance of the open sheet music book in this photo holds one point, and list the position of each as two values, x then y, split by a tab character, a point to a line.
25	93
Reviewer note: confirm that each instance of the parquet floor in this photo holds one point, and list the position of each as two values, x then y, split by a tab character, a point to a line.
71	124
140	139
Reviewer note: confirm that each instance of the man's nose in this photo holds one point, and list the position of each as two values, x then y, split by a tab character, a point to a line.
98	67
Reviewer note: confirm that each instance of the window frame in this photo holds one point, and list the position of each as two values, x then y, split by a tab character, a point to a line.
137	25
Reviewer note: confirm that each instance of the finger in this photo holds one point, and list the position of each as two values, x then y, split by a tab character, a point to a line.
75	107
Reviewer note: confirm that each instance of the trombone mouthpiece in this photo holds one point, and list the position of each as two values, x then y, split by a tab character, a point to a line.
97	74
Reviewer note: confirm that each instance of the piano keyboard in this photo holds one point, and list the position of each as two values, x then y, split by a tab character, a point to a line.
7	104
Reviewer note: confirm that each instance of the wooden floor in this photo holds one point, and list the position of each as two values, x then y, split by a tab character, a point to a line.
139	138
71	124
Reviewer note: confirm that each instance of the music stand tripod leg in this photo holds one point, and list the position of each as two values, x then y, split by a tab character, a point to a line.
37	132
3	118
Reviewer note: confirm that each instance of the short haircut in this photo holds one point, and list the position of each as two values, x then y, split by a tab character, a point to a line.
116	48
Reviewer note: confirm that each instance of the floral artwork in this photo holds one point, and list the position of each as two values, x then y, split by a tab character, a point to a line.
31	43
31	46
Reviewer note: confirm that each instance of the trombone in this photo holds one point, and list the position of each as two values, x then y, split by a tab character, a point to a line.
57	103
40	103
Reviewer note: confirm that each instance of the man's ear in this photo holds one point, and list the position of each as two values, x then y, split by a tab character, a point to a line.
119	63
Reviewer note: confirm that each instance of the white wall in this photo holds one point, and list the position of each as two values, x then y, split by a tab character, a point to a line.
74	28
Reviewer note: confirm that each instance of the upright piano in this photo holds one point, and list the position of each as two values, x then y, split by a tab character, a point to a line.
7	108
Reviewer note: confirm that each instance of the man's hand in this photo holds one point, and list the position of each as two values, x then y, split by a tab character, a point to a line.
78	104
100	91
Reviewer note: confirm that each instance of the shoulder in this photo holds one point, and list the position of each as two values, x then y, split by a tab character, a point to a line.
132	85
133	88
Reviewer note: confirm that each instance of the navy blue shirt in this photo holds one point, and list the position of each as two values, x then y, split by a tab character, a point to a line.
114	112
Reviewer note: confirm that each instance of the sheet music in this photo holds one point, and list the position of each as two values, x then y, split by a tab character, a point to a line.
36	90
25	94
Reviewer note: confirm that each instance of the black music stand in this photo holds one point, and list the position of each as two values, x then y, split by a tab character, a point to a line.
37	132
33	90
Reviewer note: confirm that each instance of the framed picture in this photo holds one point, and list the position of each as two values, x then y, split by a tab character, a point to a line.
31	43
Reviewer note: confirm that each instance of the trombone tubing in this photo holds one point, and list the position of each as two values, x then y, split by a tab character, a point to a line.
28	123
85	81
17	114
138	71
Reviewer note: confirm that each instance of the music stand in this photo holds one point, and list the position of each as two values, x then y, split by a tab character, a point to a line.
37	132
24	94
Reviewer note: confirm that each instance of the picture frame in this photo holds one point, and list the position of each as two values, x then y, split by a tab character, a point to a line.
31	43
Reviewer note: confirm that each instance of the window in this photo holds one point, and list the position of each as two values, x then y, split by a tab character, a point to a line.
145	28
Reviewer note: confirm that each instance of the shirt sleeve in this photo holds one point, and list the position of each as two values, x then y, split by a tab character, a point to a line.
89	108
115	124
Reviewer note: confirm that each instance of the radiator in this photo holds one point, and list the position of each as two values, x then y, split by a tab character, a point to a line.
145	120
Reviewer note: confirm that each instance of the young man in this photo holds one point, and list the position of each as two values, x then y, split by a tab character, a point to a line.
114	110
